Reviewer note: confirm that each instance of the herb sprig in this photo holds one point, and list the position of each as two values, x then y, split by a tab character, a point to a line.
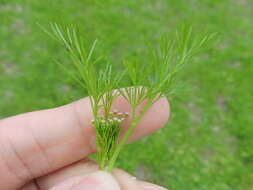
156	82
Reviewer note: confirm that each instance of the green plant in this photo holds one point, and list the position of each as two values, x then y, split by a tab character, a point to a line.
104	85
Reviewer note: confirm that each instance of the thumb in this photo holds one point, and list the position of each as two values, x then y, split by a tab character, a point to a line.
96	181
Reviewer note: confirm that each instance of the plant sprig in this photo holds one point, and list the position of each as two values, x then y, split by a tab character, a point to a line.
157	80
148	82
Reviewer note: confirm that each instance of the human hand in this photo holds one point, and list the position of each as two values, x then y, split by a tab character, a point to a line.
46	150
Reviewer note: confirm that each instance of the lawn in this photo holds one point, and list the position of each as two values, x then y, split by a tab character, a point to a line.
208	143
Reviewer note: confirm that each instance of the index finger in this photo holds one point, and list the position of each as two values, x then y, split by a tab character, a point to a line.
37	143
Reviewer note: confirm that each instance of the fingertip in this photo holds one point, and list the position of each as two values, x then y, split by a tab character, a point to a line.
155	118
159	113
95	181
126	180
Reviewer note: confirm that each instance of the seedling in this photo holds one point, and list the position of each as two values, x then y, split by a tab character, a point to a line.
103	85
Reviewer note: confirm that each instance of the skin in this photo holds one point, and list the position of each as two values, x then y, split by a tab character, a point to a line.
48	149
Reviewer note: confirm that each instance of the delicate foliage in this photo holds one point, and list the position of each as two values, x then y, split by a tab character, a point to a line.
148	82
99	83
155	79
158	75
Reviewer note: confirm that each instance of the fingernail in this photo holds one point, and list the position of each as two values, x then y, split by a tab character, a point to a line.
150	186
97	181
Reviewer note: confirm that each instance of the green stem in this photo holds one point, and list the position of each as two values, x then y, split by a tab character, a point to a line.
102	164
129	132
122	143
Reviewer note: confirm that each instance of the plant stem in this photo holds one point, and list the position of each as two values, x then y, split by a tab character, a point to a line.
129	132
102	163
122	143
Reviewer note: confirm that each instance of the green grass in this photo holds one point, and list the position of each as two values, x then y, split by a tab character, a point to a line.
208	144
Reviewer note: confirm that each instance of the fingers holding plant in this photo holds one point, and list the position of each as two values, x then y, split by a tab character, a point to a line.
47	141
56	138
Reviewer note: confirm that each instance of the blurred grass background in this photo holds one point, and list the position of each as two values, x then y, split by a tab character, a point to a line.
208	144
